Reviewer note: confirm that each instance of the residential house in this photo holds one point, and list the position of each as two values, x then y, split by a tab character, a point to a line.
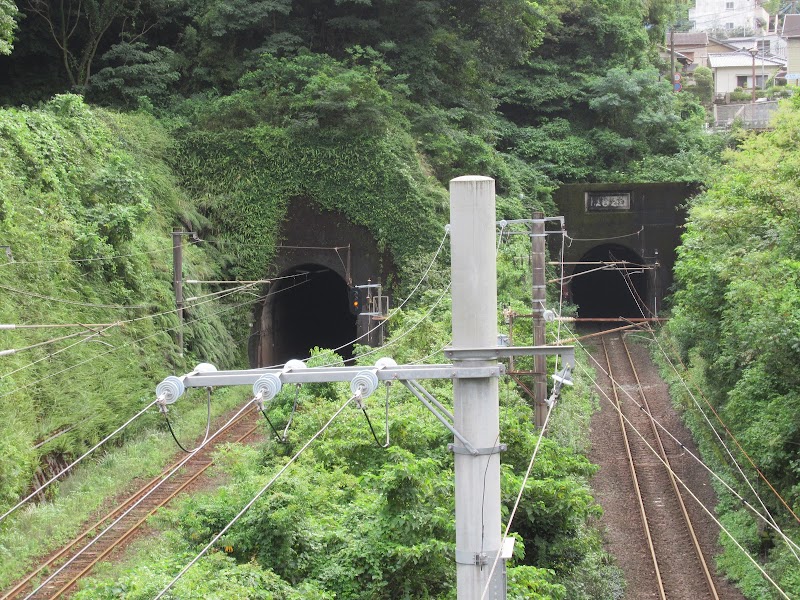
791	33
697	45
736	69
737	17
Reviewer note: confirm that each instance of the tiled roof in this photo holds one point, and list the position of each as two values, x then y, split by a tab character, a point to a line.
791	26
691	38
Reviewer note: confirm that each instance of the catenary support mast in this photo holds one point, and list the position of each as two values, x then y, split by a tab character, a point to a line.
475	401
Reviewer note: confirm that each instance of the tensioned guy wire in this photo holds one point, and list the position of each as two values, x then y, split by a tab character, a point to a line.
519	496
253	501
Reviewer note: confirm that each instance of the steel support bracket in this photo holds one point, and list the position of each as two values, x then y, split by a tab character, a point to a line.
567	353
478	559
478	451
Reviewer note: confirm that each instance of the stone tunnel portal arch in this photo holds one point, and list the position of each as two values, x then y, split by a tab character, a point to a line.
307	307
605	293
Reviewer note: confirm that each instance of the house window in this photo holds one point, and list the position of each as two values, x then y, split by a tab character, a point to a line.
729	6
761	80
741	81
763	46
728	25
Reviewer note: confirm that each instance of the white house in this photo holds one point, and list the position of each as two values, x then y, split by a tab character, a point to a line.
735	69
791	33
742	17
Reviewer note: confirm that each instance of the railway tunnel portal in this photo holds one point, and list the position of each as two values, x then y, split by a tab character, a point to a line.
307	304
621	245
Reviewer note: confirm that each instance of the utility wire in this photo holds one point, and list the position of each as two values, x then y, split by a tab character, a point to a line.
71	302
725	446
208	426
403	303
82	260
166	477
519	497
88	333
640	304
75	462
141	339
678	479
253	501
605	239
697	459
728	431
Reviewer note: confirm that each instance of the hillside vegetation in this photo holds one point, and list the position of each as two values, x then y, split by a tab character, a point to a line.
736	321
213	116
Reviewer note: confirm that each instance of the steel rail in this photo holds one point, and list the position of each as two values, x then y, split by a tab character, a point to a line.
712	588
640	501
113	514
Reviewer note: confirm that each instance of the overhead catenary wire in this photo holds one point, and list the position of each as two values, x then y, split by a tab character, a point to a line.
705	509
696	458
146	495
252	501
69	467
641	304
141	339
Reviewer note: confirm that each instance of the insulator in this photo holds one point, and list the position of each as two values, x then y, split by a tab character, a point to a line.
364	384
205	368
293	365
268	386
386	362
170	389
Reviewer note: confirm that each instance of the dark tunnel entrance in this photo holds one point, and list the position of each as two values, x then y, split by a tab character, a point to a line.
605	293
309	308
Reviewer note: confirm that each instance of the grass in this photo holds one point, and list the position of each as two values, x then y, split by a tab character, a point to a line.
38	529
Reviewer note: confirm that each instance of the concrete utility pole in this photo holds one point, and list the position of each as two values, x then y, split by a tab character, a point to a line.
177	283
538	297
475	401
475	421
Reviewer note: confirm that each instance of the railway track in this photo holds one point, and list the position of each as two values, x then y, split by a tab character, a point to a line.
675	566
127	517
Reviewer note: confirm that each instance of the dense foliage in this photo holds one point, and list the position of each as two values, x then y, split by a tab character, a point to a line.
365	107
77	189
737	318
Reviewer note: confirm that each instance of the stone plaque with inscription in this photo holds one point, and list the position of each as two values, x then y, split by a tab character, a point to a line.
607	201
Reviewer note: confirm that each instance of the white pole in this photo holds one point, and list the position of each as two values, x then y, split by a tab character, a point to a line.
476	401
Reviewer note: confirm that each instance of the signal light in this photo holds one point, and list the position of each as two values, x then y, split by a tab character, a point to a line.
356	303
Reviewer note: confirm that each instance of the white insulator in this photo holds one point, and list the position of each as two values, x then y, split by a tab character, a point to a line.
267	386
170	389
364	384
293	365
386	362
549	315
205	368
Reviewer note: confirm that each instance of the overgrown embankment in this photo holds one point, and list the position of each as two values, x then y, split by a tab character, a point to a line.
737	324
87	205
